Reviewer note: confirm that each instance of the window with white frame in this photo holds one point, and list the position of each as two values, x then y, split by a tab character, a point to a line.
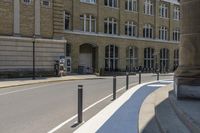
163	10
176	13
164	60
148	31
111	3
163	33
89	1
148	7
176	59
110	26
46	3
67	19
176	34
131	5
131	57
88	23
149	58
27	2
111	57
130	28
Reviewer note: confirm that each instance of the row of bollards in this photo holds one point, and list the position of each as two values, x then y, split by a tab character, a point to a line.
80	93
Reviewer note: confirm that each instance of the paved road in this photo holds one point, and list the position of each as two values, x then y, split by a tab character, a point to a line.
42	108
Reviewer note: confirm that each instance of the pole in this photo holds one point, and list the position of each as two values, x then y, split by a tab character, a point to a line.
33	76
114	87
158	78
127	80
140	77
80	103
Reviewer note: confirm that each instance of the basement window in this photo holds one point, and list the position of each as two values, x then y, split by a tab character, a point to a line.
46	3
27	2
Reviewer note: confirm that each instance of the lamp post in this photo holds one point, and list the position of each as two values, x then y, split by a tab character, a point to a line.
33	74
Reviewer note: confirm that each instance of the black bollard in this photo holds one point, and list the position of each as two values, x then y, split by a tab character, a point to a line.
80	103
114	87
127	80
158	78
140	77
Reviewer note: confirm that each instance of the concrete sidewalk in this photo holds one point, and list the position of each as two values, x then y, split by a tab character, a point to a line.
28	81
122	115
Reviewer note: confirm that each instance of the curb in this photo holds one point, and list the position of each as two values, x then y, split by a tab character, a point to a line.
40	82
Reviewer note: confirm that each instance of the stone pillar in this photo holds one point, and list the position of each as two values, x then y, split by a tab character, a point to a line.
187	76
16	17
37	17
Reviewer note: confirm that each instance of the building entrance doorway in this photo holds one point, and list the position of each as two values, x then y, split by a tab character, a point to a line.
87	59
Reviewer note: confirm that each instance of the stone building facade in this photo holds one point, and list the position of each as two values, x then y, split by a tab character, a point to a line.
94	34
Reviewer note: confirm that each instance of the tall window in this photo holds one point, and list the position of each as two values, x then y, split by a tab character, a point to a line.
88	23
148	7
67	50
163	33
164	10
148	31
110	26
130	28
131	57
111	57
176	59
149	58
164	60
111	3
67	20
176	34
176	13
89	1
131	5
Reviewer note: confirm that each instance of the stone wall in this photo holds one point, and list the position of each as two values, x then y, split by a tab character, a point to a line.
16	55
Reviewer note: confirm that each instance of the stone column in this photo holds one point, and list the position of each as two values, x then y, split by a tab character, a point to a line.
187	77
16	17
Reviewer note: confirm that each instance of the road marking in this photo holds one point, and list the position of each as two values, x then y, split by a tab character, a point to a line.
156	85
6	93
86	109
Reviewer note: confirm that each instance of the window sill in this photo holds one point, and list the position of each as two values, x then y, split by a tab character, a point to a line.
88	3
112	7
164	18
148	15
130	11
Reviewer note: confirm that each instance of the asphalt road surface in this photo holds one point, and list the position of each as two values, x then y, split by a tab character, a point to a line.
52	107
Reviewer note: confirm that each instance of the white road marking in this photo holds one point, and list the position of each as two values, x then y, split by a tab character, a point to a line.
6	93
156	85
89	107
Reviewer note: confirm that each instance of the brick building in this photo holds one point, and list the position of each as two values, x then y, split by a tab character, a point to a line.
94	34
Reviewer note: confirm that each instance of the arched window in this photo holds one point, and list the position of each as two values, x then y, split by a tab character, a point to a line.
176	59
131	57
67	20
163	10
177	14
163	33
130	28
176	34
131	5
148	7
111	3
149	58
111	57
147	31
110	26
88	23
164	60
